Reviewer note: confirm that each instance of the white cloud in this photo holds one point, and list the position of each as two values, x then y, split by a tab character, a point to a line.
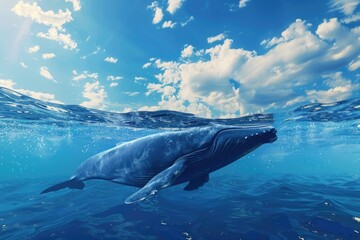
131	94
84	75
171	73
187	51
346	43
33	49
140	79
48	55
331	95
146	65
168	24
153	87
113	84
295	30
111	59
175	104
216	38
351	19
96	94
158	15
36	14
153	5
174	5
62	38
127	109
158	12
235	81
44	72
7	83
183	24
47	97
113	78
76	4
335	79
95	52
243	3
354	65
345	6
23	65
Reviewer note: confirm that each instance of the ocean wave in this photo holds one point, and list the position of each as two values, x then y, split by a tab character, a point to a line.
228	207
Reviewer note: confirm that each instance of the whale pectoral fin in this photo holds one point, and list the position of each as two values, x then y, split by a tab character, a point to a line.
161	180
195	183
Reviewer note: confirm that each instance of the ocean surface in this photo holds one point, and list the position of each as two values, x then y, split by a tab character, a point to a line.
306	185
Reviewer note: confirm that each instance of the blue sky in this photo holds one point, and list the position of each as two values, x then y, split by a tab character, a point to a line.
212	58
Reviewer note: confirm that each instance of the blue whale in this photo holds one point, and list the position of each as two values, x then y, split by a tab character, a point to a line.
161	160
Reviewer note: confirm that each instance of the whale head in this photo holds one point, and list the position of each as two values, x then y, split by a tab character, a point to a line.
232	143
247	133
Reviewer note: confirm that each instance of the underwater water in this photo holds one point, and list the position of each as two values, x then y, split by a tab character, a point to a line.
305	185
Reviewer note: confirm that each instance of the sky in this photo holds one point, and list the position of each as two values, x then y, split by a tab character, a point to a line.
211	58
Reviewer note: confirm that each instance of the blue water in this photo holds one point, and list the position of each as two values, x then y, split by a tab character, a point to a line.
306	185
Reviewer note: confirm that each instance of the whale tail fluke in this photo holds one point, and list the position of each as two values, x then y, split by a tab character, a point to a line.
72	184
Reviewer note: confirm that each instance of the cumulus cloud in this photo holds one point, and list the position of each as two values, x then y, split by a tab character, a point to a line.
295	30
175	104
243	3
111	59
36	14
44	72
47	97
158	12
174	5
158	15
84	75
49	18
216	38
113	78
168	24
48	55
62	38
340	89
33	49
235	81
7	83
187	51
96	95
76	4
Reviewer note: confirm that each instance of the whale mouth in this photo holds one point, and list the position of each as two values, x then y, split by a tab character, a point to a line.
273	137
